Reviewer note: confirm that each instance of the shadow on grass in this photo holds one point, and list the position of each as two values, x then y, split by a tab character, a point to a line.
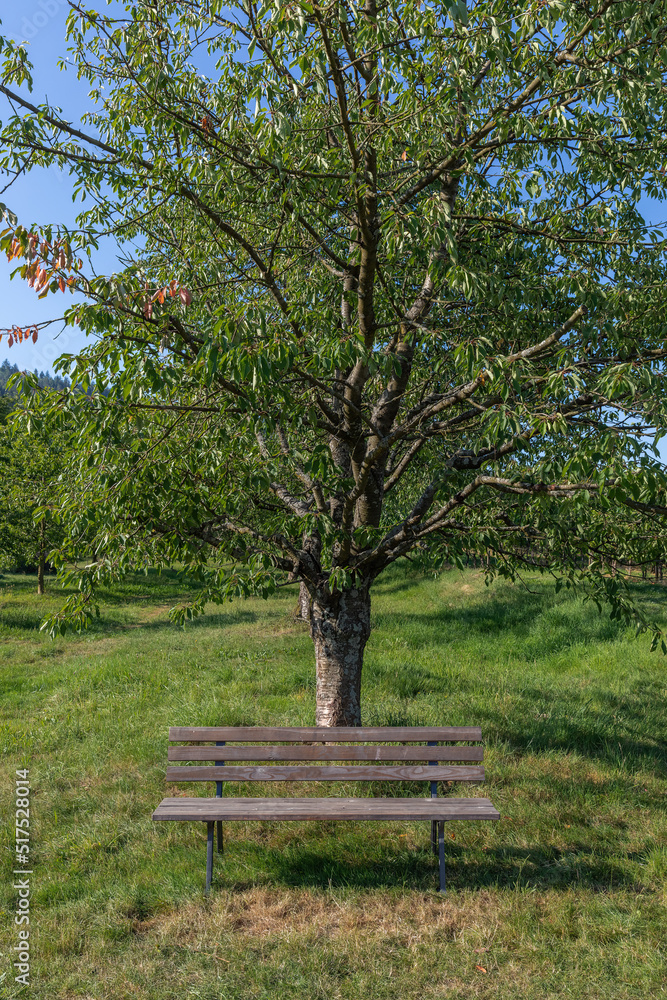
623	739
397	584
625	731
509	867
531	625
223	620
21	620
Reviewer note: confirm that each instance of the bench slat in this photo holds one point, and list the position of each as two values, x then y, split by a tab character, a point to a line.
208	810
266	734
338	772
287	752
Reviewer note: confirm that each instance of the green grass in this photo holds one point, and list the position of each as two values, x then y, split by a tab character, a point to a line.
564	897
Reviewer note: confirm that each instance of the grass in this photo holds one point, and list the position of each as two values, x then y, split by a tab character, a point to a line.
564	897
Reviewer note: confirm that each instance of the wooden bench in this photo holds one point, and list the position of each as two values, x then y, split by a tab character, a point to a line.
420	761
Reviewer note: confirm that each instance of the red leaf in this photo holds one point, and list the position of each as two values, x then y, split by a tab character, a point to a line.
10	342
186	298
34	335
481	968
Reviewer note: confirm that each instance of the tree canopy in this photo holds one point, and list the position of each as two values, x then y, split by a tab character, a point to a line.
385	289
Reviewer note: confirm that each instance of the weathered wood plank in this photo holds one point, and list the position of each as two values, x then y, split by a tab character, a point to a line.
267	734
319	752
229	810
339	772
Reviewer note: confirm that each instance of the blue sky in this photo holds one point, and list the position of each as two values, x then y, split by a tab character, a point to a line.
43	196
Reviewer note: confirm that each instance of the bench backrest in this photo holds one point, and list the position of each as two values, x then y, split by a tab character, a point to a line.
291	745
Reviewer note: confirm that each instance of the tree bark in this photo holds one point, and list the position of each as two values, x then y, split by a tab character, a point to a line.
302	611
340	624
42	556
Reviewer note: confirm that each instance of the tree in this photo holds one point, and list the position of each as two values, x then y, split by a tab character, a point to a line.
385	290
29	468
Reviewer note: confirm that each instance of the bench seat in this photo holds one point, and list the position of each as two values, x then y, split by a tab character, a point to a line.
227	809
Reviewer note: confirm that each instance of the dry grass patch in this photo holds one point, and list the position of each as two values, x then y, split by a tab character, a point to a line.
278	913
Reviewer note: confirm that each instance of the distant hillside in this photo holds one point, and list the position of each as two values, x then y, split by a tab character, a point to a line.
45	380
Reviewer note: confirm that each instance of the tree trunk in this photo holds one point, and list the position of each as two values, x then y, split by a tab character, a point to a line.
302	610
340	624
42	556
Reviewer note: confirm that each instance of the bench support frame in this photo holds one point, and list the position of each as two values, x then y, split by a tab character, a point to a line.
437	829
209	856
436	825
218	795
441	854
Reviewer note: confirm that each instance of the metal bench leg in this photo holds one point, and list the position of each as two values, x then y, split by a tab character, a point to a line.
218	795
441	852
434	795
209	856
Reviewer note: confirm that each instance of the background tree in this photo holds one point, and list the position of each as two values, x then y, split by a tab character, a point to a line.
44	381
384	289
30	465
29	468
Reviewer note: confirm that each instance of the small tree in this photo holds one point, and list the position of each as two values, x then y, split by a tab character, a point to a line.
386	289
30	466
29	469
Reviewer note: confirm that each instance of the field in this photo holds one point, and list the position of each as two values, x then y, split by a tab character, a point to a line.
564	897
